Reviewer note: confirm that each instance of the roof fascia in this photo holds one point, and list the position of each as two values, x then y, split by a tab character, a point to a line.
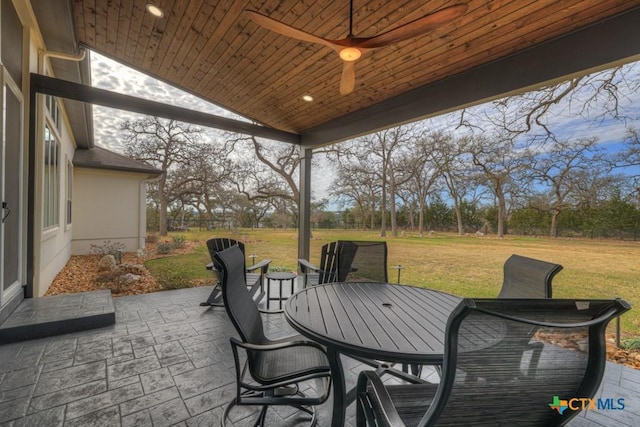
79	92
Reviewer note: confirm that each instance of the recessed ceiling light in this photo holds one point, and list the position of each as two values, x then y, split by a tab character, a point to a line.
307	98
155	10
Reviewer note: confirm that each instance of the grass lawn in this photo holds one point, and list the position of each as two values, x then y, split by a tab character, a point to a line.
465	266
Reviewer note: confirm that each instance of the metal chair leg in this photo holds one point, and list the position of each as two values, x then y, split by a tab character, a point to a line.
261	419
231	404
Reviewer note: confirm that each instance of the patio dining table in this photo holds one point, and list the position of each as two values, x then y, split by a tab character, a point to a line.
379	321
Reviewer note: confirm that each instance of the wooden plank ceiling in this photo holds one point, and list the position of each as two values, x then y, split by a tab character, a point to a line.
211	49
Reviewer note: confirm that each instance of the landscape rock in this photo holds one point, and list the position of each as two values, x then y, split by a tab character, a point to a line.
128	279
136	269
107	263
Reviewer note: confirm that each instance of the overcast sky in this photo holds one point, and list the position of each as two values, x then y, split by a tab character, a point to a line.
111	75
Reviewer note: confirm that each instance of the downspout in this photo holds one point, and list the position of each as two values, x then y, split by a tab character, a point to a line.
33	242
44	54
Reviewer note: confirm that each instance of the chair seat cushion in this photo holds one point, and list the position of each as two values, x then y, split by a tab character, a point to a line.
288	364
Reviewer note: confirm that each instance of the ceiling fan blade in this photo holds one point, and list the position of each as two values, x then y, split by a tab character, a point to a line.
348	80
287	30
414	28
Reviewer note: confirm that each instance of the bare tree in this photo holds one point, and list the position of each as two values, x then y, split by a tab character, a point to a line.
448	156
165	144
200	182
383	149
594	97
356	182
630	155
560	168
424	172
498	161
272	174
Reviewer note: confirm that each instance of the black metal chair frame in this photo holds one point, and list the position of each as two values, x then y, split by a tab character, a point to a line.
254	281
527	278
524	277
336	262
251	388
377	408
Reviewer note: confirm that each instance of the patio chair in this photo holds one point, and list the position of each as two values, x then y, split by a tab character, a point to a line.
489	392
523	278
273	369
347	260
254	274
527	278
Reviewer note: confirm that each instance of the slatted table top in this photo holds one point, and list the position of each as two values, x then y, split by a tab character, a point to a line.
380	321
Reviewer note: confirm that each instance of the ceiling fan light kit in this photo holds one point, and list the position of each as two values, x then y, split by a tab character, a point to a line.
350	54
351	48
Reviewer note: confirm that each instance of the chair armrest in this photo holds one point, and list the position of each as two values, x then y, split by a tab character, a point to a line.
277	346
306	265
375	402
262	265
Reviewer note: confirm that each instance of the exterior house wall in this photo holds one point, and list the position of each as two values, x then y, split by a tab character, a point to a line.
105	204
13	129
55	240
106	207
52	244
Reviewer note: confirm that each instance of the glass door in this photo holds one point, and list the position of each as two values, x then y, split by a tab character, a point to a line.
11	190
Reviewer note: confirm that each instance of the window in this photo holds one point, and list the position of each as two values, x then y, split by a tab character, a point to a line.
51	178
53	110
69	190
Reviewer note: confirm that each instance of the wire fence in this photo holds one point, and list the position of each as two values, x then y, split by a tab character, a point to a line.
629	234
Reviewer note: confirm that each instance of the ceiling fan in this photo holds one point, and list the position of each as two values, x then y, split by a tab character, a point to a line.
351	48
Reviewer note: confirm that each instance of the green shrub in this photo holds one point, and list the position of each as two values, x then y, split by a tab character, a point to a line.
164	248
179	242
173	280
631	344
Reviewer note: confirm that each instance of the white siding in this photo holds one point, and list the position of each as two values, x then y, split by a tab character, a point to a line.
107	206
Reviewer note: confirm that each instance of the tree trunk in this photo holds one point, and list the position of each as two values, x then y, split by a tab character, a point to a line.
163	206
554	223
421	219
502	211
392	207
383	210
456	206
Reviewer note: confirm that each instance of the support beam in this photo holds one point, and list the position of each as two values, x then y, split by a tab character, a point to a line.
597	47
92	95
31	197
304	219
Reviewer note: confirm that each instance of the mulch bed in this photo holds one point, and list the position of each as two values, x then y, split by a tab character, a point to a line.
629	358
81	273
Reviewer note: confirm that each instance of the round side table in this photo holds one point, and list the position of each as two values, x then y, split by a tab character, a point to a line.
280	276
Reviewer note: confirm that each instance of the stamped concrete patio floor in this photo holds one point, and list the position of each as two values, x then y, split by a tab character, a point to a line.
167	361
